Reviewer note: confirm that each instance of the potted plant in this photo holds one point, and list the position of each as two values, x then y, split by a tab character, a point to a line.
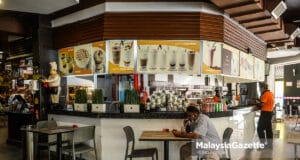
80	100
132	101
98	105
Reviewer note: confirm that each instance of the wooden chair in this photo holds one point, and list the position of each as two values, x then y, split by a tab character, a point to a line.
137	153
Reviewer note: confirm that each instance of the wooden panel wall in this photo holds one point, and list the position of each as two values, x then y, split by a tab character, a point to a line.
81	32
152	26
211	27
164	26
240	39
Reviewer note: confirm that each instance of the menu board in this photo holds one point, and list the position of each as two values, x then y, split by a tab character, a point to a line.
246	66
121	56
164	56
259	68
230	60
212	52
99	57
66	60
83	59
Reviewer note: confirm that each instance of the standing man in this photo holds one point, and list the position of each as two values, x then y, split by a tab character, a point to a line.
202	129
265	119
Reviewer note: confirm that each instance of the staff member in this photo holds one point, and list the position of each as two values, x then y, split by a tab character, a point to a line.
203	130
216	98
265	119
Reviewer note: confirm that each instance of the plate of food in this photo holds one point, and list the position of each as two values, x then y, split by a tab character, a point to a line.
82	58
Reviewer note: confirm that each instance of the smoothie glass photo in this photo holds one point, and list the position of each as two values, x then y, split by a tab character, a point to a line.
116	53
173	60
153	58
127	54
182	60
144	57
191	59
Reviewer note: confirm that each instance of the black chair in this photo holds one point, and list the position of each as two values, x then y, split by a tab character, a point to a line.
137	153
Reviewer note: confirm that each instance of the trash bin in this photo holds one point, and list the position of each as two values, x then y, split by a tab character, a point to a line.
27	142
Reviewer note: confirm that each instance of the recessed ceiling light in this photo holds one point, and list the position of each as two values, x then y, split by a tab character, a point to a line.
1	51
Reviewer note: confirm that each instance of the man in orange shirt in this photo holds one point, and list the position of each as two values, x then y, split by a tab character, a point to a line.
265	119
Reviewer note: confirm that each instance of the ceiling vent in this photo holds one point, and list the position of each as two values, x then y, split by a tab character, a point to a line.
295	33
279	10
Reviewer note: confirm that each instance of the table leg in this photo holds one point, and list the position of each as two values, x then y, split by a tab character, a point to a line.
58	147
166	150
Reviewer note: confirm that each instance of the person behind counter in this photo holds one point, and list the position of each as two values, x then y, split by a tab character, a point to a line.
217	98
265	119
202	129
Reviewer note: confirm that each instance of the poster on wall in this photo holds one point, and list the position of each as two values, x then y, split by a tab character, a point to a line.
212	52
83	59
99	57
259	68
121	56
230	60
164	56
66	60
246	65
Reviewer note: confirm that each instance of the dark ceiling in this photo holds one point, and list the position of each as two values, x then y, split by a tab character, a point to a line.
293	12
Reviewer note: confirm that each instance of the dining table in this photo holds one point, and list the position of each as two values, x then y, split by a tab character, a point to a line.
58	131
165	136
293	137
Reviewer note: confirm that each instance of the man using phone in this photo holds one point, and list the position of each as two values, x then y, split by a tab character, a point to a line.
203	130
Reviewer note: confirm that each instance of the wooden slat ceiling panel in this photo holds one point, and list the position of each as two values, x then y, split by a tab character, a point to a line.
244	9
253	16
228	3
238	38
273	35
261	22
152	25
273	27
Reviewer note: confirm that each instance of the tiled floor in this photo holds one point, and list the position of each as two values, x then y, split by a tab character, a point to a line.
281	150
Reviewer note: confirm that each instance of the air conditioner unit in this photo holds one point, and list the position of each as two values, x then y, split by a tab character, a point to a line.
279	10
295	34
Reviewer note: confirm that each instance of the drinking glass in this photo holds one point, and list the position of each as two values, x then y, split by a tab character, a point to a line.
182	61
116	53
144	57
212	50
153	58
191	59
173	60
127	55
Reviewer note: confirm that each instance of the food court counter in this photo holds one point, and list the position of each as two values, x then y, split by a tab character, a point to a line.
111	139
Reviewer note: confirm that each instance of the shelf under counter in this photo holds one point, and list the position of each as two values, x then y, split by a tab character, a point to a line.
150	115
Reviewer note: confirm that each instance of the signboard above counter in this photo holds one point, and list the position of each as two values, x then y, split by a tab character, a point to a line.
190	57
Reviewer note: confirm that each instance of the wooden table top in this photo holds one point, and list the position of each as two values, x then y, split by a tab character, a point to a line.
293	137
160	136
53	130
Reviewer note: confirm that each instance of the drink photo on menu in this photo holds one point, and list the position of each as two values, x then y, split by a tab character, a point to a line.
144	50
172	60
127	47
182	60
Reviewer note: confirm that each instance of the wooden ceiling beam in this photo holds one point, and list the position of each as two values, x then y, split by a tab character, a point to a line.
245	13
237	5
254	19
266	31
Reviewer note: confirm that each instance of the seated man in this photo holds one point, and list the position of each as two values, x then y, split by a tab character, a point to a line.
203	130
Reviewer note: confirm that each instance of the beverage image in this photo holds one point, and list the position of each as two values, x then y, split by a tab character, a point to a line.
191	59
182	60
153	58
212	50
172	61
127	55
144	57
116	54
163	59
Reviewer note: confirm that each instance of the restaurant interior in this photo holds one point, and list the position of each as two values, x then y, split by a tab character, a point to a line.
111	79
